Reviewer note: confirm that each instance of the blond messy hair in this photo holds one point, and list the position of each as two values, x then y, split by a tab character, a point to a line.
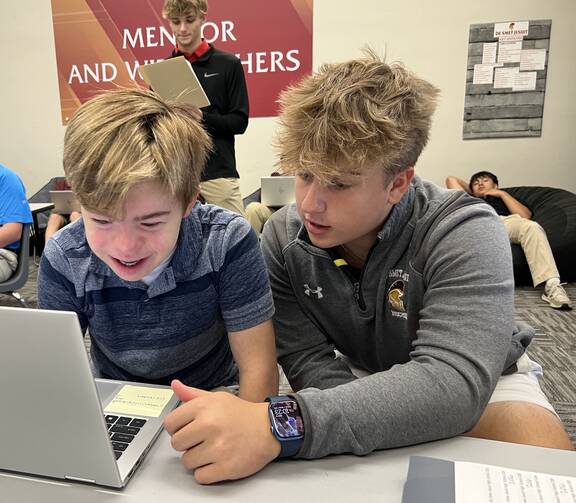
124	137
178	8
354	115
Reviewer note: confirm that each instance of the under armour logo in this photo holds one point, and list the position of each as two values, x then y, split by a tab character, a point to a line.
318	291
208	75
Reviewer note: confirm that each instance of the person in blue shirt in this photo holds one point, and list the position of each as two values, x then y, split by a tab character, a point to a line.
14	212
167	288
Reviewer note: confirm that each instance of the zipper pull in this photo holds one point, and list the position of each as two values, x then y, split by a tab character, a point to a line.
357	290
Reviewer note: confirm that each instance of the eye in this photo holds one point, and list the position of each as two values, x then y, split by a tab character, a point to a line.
151	225
304	176
100	221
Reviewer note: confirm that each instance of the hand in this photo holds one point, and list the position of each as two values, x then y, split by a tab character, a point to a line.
222	436
492	192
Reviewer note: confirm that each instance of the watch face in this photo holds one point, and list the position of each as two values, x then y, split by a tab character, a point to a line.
287	419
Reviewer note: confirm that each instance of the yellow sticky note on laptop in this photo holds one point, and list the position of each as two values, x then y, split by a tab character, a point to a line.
139	401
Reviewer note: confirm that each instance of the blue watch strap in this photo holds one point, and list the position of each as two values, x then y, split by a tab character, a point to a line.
289	446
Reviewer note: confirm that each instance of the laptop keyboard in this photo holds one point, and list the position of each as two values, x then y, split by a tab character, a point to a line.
122	430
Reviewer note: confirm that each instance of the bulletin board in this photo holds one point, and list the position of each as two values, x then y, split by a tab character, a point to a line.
506	79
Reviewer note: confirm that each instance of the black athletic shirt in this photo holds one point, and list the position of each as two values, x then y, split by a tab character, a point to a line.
222	77
498	205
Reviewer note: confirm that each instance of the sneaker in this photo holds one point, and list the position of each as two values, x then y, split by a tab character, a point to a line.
557	298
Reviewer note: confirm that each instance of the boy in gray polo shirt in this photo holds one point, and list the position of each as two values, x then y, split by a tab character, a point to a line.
168	288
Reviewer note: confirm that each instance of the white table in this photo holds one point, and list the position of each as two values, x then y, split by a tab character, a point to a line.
378	477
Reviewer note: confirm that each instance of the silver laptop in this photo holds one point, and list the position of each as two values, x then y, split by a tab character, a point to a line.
65	201
56	420
276	191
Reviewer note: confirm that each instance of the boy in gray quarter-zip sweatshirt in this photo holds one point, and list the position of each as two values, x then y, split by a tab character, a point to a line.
378	274
430	316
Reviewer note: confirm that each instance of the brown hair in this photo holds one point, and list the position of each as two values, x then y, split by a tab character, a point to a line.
353	115
127	136
177	8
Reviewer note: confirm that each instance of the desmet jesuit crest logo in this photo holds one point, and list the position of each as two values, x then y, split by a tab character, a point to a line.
396	299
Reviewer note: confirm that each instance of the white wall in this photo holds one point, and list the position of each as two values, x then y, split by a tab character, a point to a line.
431	38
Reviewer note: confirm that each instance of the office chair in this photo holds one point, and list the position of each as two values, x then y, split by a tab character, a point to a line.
20	276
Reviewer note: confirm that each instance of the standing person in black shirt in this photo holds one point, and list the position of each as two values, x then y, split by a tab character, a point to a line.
521	230
222	77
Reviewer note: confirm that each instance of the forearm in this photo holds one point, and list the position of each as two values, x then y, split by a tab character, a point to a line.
407	405
225	124
259	383
453	182
10	233
514	206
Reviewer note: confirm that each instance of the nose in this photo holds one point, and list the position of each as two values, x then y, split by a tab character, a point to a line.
313	197
127	244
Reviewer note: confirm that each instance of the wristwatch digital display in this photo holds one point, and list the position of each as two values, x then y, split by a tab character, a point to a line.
286	424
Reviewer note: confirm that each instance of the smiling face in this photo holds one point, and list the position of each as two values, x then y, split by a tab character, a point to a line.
351	209
143	237
188	30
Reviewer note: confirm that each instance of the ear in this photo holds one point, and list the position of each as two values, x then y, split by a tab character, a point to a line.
400	184
191	205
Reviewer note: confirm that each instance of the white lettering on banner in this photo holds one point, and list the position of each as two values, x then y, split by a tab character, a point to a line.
147	37
264	62
211	31
101	72
132	66
155	36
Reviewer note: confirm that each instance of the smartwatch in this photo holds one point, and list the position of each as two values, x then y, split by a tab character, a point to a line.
286	424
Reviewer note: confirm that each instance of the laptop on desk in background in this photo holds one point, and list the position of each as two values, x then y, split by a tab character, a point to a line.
65	201
57	420
276	191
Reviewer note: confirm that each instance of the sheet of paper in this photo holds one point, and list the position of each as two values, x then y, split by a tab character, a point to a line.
489	52
524	81
477	483
174	79
483	74
532	59
511	30
139	401
504	77
509	52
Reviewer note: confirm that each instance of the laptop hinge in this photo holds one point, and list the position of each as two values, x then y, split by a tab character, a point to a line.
78	479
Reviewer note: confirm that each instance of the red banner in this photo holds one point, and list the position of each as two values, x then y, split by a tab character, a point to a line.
101	43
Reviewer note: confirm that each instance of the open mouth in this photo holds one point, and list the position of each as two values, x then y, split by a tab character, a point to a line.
316	228
129	264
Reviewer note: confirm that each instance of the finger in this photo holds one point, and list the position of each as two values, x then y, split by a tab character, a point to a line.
180	417
188	437
186	393
209	474
197	457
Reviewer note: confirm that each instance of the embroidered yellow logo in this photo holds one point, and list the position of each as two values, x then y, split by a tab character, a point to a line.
396	296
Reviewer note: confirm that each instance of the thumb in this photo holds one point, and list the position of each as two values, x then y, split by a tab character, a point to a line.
186	393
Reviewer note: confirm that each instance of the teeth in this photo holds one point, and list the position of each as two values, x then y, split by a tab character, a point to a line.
129	264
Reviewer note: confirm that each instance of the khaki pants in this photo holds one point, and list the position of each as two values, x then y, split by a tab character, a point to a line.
8	264
532	238
223	192
257	215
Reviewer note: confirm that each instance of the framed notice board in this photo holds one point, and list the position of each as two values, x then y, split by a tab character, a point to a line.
506	79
